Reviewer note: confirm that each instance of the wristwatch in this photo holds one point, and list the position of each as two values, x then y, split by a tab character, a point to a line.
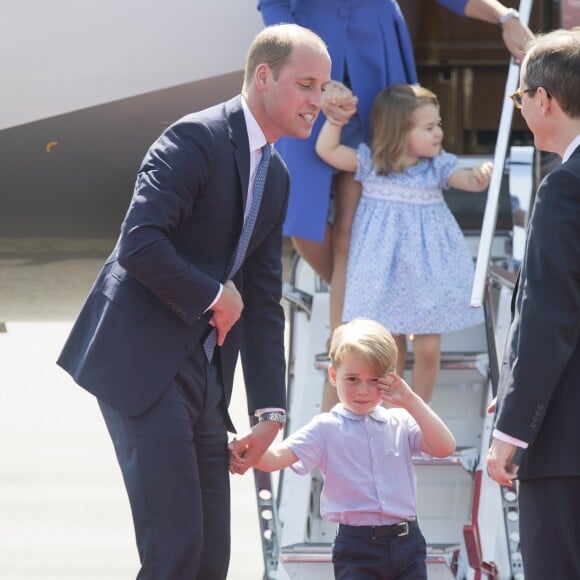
511	13
276	416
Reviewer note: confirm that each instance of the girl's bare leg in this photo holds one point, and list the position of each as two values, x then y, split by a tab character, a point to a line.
427	350
401	341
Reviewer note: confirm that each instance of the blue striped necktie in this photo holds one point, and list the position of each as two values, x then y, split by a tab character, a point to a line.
210	342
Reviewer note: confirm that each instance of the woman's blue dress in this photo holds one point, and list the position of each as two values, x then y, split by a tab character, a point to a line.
370	39
409	266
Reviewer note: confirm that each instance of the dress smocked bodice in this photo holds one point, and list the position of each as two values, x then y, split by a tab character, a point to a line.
421	183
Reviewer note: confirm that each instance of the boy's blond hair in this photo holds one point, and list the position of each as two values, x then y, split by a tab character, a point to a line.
366	338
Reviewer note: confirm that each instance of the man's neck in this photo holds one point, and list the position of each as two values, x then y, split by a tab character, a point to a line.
572	146
564	136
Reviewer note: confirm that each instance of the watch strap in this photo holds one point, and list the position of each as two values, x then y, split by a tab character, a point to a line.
511	13
276	416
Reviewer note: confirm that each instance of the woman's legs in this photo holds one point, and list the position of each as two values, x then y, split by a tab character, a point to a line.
347	196
427	351
329	258
347	193
318	255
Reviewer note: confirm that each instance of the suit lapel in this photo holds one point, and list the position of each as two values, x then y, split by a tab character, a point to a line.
239	139
238	135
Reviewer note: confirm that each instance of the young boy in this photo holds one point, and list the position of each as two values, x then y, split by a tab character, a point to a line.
363	451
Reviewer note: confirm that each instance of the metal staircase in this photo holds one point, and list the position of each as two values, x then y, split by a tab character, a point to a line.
470	524
445	487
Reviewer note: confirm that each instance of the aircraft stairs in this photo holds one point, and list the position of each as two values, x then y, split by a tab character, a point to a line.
445	486
470	524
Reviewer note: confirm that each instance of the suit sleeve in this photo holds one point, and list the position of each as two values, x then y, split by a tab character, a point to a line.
169	180
276	12
545	331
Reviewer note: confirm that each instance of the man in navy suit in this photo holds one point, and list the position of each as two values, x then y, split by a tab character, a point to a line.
539	392
138	343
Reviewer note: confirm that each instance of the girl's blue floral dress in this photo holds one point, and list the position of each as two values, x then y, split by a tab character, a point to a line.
409	266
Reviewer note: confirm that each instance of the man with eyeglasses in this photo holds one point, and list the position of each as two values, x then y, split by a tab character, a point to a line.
539	388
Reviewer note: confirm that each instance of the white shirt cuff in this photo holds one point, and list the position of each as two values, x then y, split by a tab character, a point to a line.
509	439
258	412
216	298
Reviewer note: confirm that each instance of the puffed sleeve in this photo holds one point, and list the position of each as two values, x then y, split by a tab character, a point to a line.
444	165
364	163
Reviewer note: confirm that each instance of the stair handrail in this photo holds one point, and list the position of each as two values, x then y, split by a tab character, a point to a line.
491	206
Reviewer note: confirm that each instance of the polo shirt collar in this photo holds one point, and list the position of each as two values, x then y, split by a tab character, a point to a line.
377	414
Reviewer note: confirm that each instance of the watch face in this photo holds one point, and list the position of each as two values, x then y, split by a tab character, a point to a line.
273	416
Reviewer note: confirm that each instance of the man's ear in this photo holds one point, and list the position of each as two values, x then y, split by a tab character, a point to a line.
332	375
261	75
546	100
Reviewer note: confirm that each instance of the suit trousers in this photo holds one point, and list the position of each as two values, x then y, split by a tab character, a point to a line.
174	462
550	527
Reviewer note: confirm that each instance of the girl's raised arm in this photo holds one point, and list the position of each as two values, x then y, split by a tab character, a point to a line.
330	149
338	107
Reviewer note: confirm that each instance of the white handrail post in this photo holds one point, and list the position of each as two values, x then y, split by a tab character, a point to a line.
490	215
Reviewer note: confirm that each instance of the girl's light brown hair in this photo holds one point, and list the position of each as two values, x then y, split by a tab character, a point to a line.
366	338
391	121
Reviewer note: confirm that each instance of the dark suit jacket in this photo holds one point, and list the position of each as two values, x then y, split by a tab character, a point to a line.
145	312
539	390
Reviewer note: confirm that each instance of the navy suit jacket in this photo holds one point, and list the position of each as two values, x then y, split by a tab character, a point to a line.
539	390
146	310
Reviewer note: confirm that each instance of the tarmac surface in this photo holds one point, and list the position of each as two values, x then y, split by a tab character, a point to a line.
64	514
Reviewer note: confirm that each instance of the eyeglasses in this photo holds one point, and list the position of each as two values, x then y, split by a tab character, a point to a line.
517	96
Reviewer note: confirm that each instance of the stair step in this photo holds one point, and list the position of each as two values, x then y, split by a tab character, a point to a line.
456	361
322	552
450	361
467	457
299	299
306	552
315	561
